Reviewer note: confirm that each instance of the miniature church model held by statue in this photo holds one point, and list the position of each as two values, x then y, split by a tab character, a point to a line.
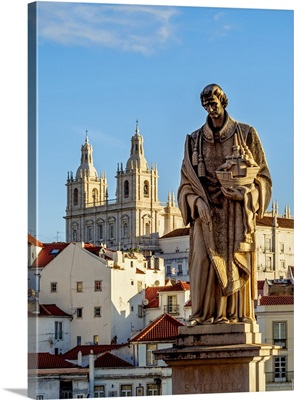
135	219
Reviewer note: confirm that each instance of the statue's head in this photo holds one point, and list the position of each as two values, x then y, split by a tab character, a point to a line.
211	91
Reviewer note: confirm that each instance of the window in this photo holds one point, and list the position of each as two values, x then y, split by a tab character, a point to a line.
99	391
98	286
58	330
111	231
280	368
125	230
126	188
75	197
132	282
100	231
268	243
79	312
283	264
172	306
54	252
80	396
132	264
282	246
53	287
280	334
95	196
79	340
126	390
147	229
140	311
146	188
79	287
268	263
97	312
89	234
140	286
150	359
74	235
180	269
168	270
96	339
39	397
152	389
112	393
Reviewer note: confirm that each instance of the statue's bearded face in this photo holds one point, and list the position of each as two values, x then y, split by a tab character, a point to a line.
213	106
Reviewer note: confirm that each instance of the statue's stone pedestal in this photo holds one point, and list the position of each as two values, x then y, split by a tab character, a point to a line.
218	358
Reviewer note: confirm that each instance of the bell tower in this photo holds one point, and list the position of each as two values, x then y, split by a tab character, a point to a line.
84	191
137	195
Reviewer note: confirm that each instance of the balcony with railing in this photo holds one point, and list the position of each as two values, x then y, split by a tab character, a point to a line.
279	377
172	309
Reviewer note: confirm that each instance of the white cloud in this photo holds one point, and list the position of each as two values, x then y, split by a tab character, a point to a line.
140	29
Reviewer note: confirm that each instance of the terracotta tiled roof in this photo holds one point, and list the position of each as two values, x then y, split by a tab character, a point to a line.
47	361
139	271
86	349
177	287
276	300
282	222
34	241
49	251
164	328
108	360
177	232
47	310
151	292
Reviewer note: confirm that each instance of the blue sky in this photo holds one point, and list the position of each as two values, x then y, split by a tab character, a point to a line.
100	67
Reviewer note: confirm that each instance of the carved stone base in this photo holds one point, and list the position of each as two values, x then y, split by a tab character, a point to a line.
218	359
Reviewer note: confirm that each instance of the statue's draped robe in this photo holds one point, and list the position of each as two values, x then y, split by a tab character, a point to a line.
222	254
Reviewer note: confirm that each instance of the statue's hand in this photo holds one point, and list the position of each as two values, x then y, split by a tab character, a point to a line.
203	211
233	193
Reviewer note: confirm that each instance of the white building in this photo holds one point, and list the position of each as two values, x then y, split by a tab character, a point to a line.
51	377
103	290
274	248
48	329
173	299
134	219
275	316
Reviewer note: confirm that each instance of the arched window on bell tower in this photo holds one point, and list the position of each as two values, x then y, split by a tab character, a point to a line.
95	196
146	189
126	188
75	197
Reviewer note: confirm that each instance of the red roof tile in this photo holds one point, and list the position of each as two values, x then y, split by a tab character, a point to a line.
139	271
49	251
177	232
34	241
108	360
164	328
276	300
47	361
86	349
47	310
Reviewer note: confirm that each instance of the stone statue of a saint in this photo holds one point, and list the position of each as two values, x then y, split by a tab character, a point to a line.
225	184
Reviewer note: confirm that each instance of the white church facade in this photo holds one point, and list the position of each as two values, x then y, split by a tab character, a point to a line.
135	219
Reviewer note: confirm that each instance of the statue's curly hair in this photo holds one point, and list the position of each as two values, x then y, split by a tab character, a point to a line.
214	90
